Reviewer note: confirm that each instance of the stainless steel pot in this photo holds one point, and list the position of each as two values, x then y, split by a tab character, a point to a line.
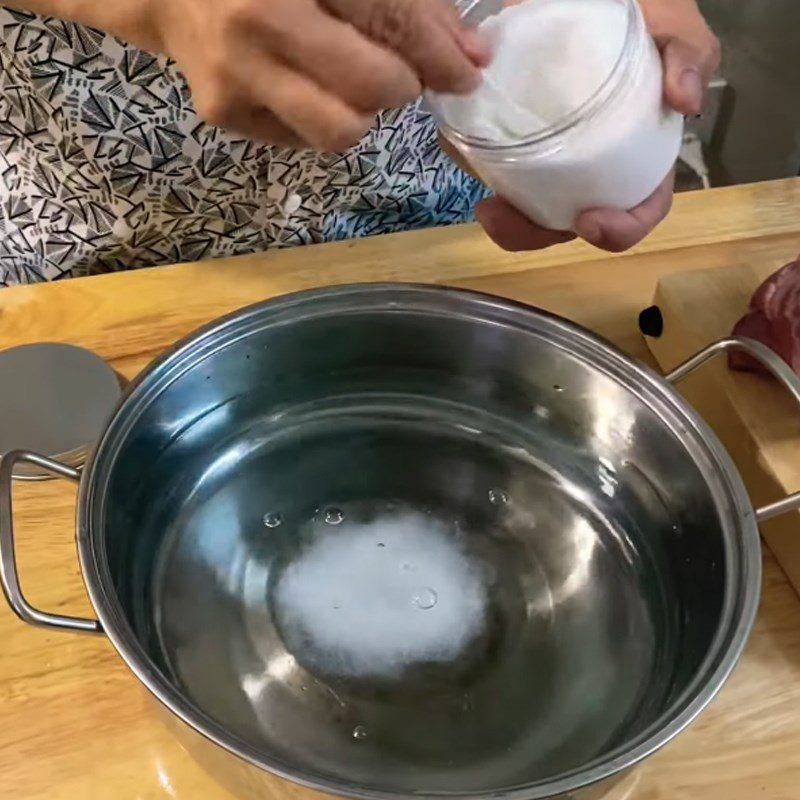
600	533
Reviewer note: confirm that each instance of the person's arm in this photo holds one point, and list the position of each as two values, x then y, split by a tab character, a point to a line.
300	72
690	54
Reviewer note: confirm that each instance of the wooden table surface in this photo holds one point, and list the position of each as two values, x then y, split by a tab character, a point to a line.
74	724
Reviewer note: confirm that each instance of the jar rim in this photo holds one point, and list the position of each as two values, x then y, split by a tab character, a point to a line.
607	90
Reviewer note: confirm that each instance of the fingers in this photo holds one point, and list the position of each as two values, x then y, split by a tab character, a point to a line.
504	225
335	55
512	231
279	105
262	125
317	71
691	55
686	75
318	117
615	231
474	45
427	34
690	51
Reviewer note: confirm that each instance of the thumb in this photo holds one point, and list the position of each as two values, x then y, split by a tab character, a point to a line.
684	78
689	50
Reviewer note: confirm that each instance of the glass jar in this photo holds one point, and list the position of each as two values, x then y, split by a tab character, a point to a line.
612	150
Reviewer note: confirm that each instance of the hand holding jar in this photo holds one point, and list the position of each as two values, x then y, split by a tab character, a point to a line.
590	167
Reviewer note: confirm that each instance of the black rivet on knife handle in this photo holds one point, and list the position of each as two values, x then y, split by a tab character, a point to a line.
651	322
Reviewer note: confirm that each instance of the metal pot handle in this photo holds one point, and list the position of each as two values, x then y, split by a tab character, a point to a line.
8	562
778	367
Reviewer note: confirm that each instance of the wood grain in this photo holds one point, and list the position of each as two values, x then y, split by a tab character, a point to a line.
74	724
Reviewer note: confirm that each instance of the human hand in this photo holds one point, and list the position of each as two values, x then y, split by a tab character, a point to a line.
690	53
313	72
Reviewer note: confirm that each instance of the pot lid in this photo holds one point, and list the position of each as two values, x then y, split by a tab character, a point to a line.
55	400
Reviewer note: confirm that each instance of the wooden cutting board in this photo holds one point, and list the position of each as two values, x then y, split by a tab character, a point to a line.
74	722
757	420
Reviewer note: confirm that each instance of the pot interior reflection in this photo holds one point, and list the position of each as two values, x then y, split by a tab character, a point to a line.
417	546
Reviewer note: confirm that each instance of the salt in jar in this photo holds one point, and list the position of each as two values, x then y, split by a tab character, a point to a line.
570	115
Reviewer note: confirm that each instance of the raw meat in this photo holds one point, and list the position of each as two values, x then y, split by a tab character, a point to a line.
774	319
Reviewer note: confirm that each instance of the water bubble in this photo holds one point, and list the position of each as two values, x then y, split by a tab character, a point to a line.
272	520
498	497
542	412
425	598
359	732
334	516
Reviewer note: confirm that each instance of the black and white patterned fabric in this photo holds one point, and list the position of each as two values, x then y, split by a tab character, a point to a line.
104	165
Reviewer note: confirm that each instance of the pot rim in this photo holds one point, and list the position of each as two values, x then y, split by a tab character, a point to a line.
742	590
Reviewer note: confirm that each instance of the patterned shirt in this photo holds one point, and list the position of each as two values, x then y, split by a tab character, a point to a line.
104	165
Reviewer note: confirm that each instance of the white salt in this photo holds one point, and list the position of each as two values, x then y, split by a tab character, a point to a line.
550	57
556	127
372	599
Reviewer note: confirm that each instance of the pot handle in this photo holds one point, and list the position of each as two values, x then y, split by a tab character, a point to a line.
778	367
8	562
